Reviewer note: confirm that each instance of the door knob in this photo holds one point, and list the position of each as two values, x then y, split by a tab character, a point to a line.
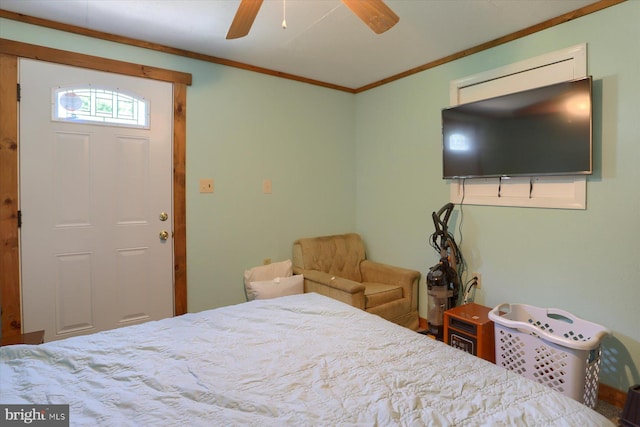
164	216
164	235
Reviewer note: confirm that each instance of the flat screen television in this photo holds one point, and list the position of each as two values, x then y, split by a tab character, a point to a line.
541	131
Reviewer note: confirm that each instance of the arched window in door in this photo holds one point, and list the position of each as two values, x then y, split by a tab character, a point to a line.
86	104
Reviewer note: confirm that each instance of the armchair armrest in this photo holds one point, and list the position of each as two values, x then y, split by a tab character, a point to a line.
345	290
382	273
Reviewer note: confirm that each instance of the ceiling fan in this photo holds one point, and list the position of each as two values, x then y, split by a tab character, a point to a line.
375	13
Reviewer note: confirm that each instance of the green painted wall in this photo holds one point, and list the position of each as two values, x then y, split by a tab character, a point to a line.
585	262
371	163
244	128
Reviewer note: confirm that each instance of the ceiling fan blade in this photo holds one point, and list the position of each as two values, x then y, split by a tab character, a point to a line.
244	18
377	15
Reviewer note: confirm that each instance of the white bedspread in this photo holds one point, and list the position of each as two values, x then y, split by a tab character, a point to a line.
300	360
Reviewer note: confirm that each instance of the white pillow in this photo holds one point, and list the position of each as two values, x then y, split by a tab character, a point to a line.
278	287
269	271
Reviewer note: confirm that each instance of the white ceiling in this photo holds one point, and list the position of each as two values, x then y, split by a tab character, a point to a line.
323	41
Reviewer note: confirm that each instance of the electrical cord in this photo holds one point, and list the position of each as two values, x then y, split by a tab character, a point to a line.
471	283
461	213
462	263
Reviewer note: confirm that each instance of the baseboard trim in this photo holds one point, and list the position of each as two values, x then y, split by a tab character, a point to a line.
612	395
422	323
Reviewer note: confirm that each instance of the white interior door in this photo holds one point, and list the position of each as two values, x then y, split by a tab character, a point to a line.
95	177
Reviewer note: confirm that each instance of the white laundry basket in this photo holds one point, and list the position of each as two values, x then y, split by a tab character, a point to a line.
550	346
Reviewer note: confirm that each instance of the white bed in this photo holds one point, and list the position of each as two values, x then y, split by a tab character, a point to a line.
298	360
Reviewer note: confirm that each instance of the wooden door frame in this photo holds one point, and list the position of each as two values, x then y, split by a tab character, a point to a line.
10	52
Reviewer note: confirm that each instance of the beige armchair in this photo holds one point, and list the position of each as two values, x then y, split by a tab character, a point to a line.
336	266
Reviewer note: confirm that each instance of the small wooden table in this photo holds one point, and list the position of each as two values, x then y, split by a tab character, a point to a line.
36	337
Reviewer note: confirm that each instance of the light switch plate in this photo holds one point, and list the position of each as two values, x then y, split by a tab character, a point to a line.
266	186
206	185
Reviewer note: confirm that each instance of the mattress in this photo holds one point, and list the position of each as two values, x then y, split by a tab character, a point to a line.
299	360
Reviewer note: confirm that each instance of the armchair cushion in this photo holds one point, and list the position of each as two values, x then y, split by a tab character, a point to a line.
376	294
337	255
